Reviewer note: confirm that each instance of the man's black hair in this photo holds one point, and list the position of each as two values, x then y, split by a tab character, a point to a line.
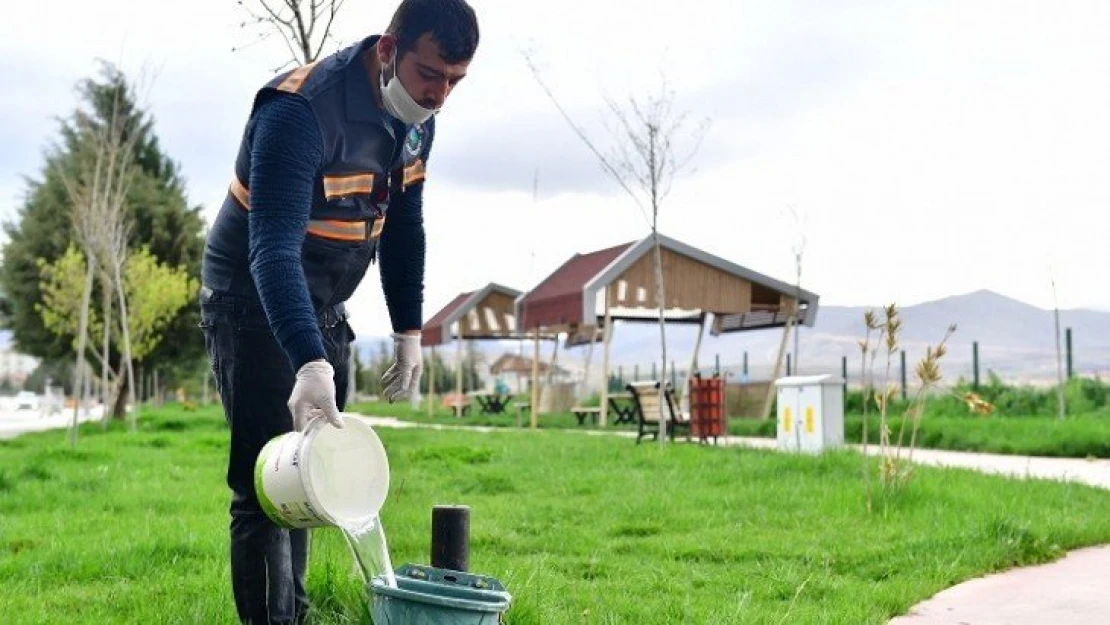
452	24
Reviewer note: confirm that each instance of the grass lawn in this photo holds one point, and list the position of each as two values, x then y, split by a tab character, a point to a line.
1079	436
1075	437
131	528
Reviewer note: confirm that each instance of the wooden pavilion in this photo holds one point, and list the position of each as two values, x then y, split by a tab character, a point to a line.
590	291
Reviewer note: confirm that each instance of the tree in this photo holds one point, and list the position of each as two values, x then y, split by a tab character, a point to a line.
155	207
644	160
97	179
304	27
154	291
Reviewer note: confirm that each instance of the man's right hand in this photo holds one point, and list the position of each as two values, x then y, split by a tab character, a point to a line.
314	395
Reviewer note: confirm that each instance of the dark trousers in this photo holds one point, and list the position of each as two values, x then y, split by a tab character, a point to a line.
254	379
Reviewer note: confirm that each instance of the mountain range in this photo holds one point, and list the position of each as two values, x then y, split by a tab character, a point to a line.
1016	341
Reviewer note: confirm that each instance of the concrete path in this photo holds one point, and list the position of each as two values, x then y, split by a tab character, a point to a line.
1094	472
13	424
1074	590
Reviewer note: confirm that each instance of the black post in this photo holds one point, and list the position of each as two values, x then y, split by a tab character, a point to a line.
717	365
1071	370
844	373
975	365
903	375
745	365
788	365
451	538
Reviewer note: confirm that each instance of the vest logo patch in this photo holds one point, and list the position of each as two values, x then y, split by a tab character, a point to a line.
414	140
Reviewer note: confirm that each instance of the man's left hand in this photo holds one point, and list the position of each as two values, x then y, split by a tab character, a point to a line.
402	379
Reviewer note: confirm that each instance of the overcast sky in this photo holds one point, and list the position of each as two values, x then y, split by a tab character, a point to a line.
930	148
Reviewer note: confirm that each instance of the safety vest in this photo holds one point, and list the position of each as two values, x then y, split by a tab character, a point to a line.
371	160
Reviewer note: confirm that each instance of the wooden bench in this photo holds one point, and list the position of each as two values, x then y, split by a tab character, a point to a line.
584	412
460	404
678	420
647	400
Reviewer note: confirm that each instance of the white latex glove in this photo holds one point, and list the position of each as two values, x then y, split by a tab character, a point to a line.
403	377
314	395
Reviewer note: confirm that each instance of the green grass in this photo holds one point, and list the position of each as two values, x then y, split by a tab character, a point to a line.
1074	437
1080	436
131	528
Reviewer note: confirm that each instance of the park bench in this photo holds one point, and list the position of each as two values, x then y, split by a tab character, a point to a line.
460	404
645	395
584	412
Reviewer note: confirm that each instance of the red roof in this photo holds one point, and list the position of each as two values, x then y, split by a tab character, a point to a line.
432	333
558	299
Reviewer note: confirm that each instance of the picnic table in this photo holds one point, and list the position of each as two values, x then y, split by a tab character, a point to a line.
622	407
490	402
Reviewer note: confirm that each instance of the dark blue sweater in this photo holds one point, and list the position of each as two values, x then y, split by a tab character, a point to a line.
287	155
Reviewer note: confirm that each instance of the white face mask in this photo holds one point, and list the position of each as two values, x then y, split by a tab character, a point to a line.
399	103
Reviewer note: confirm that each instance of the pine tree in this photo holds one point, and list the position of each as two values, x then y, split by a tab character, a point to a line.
158	211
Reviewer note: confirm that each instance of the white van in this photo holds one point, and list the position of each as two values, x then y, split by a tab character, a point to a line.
26	400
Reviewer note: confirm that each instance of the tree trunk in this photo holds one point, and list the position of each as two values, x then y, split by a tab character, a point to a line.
769	397
105	349
119	399
82	339
126	347
608	334
660	296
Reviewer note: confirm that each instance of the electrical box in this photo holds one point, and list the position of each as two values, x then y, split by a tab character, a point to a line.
810	413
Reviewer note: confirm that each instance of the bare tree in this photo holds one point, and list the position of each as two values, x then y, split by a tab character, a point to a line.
304	26
115	250
644	160
98	189
1061	407
793	322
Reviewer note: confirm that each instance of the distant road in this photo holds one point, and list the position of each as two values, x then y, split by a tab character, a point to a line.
14	423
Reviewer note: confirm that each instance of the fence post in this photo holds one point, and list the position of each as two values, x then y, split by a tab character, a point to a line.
975	365
1071	370
745	370
788	371
903	375
717	365
844	373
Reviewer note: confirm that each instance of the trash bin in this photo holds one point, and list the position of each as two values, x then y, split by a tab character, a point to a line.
810	413
707	408
556	397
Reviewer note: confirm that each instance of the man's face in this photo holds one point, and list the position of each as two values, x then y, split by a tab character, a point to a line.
426	76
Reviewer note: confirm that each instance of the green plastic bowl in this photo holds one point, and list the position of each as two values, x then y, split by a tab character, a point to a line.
429	596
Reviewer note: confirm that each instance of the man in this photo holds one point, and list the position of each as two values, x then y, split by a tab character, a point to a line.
330	151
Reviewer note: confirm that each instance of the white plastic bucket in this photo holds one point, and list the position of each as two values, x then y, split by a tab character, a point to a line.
323	476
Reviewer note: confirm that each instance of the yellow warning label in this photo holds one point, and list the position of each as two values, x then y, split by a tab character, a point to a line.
787	419
809	419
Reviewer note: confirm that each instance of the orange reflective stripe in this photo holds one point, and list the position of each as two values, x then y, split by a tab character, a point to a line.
296	78
240	193
326	228
376	229
338	230
414	173
347	184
